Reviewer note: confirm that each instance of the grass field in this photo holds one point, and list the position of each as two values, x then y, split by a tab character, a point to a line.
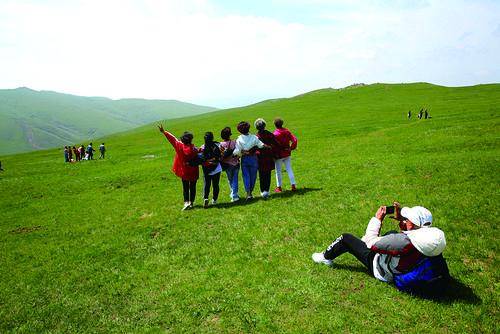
102	246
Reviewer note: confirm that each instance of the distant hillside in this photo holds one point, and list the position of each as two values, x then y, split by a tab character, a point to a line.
32	120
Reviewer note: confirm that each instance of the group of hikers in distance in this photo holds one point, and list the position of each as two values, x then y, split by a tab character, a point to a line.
82	153
421	114
256	154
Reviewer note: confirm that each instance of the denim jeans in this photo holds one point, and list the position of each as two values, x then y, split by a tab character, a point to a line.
232	177
249	168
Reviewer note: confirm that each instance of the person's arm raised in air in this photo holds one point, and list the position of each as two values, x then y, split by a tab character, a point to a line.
171	138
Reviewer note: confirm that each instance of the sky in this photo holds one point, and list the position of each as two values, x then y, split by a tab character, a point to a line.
227	53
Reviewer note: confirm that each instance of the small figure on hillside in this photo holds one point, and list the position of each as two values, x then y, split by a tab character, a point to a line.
246	145
287	142
266	156
426	114
229	162
102	150
211	167
185	152
66	154
1	169
81	150
409	114
70	154
420	113
77	153
411	258
90	152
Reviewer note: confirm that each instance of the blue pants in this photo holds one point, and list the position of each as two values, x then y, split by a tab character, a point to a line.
249	168
232	177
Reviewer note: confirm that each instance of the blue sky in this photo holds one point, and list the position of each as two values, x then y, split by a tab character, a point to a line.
229	53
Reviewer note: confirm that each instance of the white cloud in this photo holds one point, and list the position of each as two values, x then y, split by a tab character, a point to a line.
187	50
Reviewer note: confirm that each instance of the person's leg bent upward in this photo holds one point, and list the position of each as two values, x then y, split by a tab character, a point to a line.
346	243
288	166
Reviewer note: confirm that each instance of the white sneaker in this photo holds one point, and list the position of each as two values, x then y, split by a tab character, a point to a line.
186	206
265	194
320	258
205	203
214	202
235	199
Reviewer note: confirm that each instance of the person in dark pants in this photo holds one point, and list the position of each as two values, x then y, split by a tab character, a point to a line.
66	154
211	168
265	156
185	152
395	253
426	114
409	114
102	150
1	169
90	151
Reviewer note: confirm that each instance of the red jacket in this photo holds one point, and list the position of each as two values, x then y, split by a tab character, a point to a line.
183	154
287	142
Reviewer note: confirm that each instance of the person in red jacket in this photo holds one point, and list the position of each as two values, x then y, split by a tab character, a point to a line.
286	142
185	152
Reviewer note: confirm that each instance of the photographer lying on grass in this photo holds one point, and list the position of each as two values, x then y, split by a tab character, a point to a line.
411	258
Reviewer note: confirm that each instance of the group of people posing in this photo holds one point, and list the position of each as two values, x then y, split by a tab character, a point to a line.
253	154
82	153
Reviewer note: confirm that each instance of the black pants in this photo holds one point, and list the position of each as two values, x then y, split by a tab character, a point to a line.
264	180
214	181
189	190
347	243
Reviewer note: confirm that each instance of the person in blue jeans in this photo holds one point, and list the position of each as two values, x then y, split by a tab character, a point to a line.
246	145
230	163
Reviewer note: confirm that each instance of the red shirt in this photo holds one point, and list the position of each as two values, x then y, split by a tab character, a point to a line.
287	142
183	154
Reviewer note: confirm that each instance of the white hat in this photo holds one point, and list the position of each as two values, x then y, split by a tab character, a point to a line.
428	241
418	215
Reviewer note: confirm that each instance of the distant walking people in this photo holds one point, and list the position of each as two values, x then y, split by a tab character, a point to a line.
420	113
90	152
246	145
77	154
102	150
265	156
81	150
66	154
229	162
409	114
185	152
211	168
426	114
287	143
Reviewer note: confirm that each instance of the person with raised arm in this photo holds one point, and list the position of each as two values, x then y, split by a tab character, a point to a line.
185	152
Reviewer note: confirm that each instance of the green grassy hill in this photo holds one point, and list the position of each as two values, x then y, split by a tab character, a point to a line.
102	246
33	120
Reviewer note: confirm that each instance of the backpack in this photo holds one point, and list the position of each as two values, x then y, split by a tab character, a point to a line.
430	276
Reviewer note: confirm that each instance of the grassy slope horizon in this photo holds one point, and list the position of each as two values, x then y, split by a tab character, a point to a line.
102	246
32	120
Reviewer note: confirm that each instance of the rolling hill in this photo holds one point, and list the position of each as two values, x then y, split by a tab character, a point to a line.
102	246
34	120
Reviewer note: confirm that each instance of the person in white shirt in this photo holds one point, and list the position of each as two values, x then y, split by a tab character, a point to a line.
246	145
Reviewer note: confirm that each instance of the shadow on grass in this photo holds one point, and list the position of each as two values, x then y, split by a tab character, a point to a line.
273	197
454	291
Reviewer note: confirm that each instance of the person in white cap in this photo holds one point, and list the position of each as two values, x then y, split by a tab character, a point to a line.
416	249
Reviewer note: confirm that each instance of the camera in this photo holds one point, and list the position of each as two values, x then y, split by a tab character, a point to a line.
389	209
